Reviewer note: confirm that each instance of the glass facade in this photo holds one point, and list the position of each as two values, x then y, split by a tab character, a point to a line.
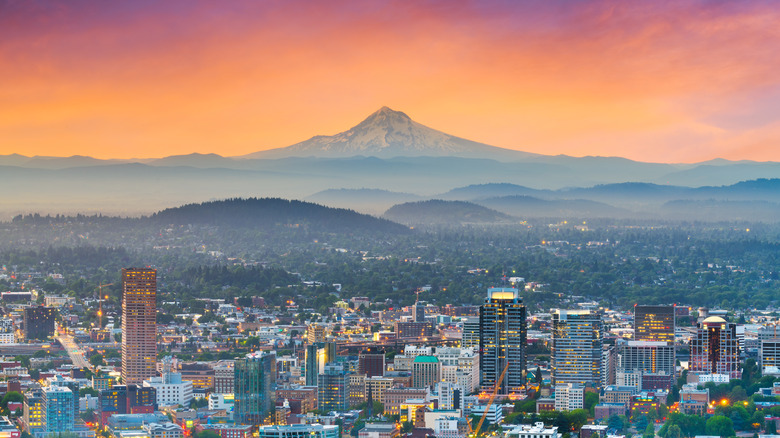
577	347
502	340
255	388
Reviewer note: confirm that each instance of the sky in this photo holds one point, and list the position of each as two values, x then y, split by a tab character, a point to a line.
676	81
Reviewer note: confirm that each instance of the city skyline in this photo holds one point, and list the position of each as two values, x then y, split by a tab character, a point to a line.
662	82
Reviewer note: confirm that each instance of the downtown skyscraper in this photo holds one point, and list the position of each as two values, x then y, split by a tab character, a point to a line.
255	388
139	325
654	323
577	347
502	340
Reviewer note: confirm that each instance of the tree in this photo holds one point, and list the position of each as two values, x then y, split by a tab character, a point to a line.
207	433
720	425
96	360
591	400
673	431
197	403
88	415
91	391
649	431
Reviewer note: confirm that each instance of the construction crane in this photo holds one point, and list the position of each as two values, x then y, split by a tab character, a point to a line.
475	432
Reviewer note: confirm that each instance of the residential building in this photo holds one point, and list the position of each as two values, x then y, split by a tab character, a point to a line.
33	410
139	325
58	413
569	396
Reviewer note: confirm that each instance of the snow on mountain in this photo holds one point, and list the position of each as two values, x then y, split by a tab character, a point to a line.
387	133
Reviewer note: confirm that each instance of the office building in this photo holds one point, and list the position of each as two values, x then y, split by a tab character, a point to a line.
470	334
315	333
163	430
255	388
769	351
333	389
714	348
299	431
502	340
577	347
413	330
126	399
224	377
317	356
39	322
380	430
201	375
139	325
426	371
654	323
58	413
418	312
171	389
371	363
650	357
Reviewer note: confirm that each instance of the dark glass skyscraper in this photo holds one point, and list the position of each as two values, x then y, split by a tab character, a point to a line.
39	322
502	340
255	388
332	389
577	347
654	323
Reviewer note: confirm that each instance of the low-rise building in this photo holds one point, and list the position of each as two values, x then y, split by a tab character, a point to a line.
299	431
163	430
380	430
537	430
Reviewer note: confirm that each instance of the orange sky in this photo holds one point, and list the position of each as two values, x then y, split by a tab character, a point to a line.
652	81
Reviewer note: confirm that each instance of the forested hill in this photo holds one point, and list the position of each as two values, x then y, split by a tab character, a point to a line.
273	212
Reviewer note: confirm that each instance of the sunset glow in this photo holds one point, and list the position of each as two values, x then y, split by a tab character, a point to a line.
652	81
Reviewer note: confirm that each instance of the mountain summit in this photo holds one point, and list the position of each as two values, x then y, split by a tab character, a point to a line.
385	134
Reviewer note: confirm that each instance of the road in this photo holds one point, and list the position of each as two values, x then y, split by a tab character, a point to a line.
74	351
